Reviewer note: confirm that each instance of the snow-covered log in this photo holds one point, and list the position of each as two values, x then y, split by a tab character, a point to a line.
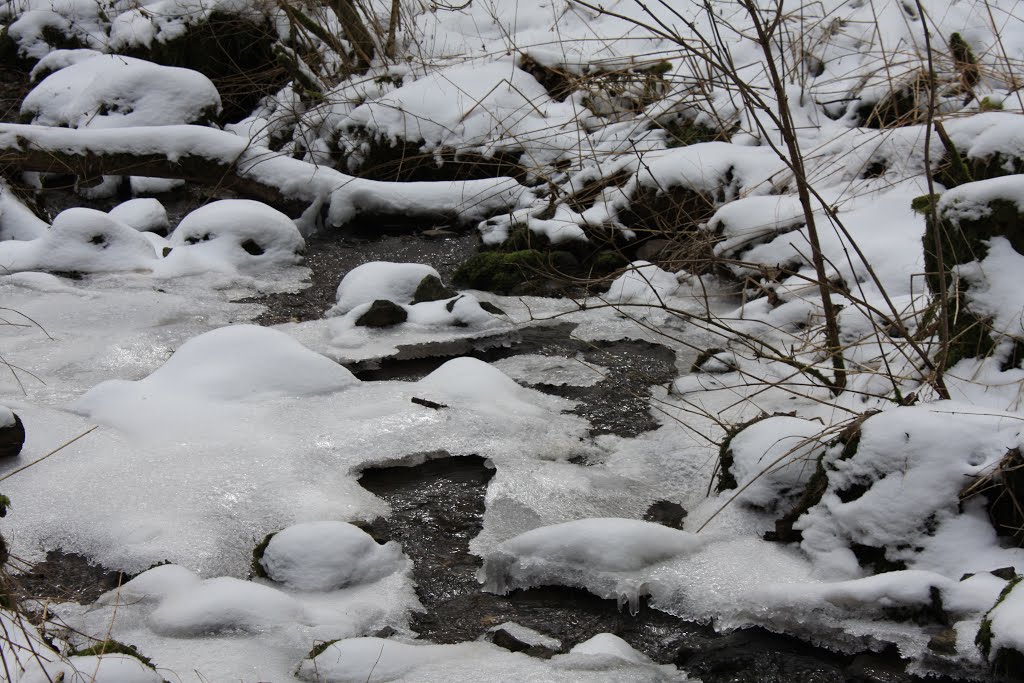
213	157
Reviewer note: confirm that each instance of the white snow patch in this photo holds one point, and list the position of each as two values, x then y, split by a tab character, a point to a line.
322	556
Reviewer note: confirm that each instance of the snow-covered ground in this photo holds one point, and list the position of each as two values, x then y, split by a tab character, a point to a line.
855	517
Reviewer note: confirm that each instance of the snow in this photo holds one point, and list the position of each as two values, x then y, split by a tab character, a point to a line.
146	215
234	235
84	241
6	417
368	282
111	668
114	91
770	478
607	556
226	365
323	556
361	659
213	432
1006	620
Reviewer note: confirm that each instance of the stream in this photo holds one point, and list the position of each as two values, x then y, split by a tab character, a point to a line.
438	505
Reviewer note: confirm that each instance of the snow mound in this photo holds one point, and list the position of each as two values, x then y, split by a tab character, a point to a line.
1006	622
357	660
772	459
17	222
608	556
236	363
145	215
474	384
379	280
323	556
82	241
114	91
224	604
112	668
609	645
152	586
643	284
230	235
6	416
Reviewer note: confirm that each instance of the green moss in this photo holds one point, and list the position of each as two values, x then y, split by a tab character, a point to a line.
108	647
964	61
608	261
515	272
256	566
988	104
923	204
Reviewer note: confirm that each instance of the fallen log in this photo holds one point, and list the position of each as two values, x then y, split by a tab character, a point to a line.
223	160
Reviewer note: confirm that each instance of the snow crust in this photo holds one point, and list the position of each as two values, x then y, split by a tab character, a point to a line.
606	556
389	660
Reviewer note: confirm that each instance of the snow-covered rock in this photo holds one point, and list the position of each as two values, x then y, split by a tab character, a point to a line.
237	363
114	91
323	556
368	282
232	235
145	215
82	241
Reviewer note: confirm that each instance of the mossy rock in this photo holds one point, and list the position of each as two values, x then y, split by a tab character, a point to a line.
110	647
962	241
431	288
848	440
235	52
1004	661
726	479
528	271
681	131
904	105
383	313
671	213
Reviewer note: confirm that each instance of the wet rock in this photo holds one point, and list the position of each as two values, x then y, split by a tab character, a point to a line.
383	313
491	308
432	289
12	436
943	642
666	512
502	638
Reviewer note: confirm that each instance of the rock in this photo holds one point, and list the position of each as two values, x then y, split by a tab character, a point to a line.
666	512
382	313
432	289
12	434
943	642
491	308
652	249
503	638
